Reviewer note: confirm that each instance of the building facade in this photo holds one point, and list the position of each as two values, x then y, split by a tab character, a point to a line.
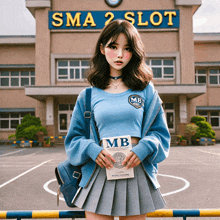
43	74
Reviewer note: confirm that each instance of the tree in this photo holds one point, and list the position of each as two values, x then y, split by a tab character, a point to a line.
28	128
204	130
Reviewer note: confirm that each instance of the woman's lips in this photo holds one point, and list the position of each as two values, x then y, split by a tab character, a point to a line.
118	62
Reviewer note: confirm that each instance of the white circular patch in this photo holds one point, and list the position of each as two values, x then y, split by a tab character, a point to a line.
187	184
136	101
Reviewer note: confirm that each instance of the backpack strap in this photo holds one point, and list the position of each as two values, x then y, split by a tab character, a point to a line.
87	113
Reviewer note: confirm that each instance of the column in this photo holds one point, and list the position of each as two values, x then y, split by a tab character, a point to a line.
186	45
50	116
183	114
183	109
49	111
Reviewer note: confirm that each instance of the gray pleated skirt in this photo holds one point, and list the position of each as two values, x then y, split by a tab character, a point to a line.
123	197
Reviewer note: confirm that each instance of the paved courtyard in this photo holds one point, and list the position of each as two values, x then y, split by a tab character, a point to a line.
189	178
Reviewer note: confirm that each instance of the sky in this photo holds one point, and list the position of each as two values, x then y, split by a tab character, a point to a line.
16	19
207	17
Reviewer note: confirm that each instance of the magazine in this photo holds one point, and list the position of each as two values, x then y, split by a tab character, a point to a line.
119	147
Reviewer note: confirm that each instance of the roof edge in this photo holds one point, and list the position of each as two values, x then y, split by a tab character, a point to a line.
17	39
206	37
33	4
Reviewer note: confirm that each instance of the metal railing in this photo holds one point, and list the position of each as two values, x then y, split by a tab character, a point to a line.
165	213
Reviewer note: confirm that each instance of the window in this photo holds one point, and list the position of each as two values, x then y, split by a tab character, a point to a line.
162	68
17	78
203	114
213	117
10	120
169	105
214	76
71	69
200	76
66	107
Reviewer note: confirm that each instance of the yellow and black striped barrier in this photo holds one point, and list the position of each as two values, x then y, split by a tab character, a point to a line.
55	137
207	139
23	142
52	139
166	213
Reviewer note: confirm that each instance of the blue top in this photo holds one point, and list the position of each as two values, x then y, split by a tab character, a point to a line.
152	148
118	114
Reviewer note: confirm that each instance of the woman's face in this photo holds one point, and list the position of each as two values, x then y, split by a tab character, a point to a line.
117	54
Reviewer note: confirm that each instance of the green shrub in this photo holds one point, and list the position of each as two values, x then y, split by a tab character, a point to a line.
28	128
11	137
204	130
196	119
31	131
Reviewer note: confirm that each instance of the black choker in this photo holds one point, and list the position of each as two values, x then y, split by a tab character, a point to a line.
115	77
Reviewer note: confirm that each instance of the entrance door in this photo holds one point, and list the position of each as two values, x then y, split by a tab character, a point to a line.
170	116
170	120
64	117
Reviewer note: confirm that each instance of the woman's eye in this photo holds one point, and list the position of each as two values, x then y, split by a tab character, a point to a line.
113	47
128	48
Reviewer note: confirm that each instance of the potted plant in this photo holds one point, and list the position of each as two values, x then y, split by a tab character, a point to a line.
178	139
190	131
47	142
183	141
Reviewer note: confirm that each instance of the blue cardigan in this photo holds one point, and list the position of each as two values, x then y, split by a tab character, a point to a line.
152	148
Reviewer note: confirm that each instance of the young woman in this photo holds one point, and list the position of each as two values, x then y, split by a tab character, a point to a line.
124	102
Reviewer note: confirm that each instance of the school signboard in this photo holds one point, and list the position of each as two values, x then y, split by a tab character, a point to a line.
87	20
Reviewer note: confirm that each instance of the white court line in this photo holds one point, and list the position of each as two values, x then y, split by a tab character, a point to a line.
11	153
187	184
207	152
6	183
50	191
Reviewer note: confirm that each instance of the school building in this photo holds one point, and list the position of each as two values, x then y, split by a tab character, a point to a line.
42	75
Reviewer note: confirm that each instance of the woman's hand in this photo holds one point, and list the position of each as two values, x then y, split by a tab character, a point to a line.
105	159
131	160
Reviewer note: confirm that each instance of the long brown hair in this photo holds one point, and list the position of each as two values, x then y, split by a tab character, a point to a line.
136	74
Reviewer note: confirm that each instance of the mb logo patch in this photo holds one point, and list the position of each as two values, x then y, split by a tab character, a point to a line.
136	101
